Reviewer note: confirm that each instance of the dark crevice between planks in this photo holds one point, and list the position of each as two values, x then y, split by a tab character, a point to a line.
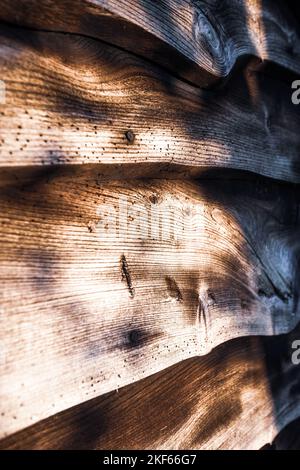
21	176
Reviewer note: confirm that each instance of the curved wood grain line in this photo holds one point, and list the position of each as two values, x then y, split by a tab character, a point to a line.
201	41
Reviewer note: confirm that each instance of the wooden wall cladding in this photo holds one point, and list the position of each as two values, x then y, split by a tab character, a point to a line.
200	41
149	223
108	282
236	397
73	100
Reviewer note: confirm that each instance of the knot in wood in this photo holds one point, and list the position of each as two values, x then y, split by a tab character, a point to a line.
206	33
211	37
129	136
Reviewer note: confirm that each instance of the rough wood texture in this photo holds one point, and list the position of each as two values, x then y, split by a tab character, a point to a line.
200	41
74	100
237	397
105	283
107	279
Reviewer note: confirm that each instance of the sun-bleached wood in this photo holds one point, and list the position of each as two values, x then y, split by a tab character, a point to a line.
237	397
199	41
104	283
71	100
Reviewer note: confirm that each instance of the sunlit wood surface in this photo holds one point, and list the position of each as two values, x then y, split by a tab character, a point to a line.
149	224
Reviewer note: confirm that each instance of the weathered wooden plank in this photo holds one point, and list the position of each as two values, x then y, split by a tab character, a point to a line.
199	41
105	283
237	397
72	101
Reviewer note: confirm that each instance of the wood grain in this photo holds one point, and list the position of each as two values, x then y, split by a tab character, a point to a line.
105	283
72	100
201	41
237	397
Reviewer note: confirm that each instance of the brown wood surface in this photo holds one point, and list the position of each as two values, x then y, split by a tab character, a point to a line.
237	397
200	41
72	100
104	283
144	246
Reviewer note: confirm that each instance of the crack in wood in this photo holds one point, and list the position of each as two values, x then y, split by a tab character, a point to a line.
126	275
